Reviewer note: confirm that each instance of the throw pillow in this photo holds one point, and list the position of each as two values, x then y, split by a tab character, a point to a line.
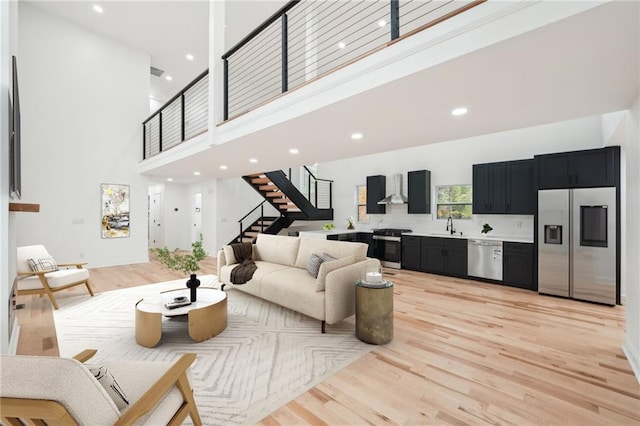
228	254
104	376
313	265
44	264
330	266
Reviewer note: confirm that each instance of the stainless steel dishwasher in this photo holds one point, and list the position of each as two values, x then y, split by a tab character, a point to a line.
485	259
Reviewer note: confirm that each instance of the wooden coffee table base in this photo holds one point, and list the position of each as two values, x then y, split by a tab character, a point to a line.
206	318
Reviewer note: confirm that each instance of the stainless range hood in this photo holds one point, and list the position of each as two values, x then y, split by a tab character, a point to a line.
396	197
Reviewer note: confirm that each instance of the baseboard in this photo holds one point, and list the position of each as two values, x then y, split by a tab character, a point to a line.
13	342
632	356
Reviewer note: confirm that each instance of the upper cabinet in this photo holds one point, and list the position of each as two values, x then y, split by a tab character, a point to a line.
504	188
579	169
419	191
376	191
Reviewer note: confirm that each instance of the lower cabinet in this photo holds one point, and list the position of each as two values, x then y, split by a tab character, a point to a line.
447	256
359	237
518	265
367	238
410	253
444	256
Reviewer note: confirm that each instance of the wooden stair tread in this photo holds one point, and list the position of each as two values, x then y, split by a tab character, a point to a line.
260	180
275	194
282	200
267	187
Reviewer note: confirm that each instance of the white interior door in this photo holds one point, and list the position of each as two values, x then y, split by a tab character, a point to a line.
156	233
196	215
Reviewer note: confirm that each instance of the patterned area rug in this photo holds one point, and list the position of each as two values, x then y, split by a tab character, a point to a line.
266	357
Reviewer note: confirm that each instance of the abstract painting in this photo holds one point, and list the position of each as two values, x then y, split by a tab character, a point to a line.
115	210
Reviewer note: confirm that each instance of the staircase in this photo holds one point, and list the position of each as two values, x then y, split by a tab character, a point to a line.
278	191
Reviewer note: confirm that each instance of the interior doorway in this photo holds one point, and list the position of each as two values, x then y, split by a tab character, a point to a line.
196	217
156	235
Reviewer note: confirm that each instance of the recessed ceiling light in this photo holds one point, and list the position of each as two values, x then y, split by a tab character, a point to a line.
223	167
459	111
293	151
381	23
342	45
169	78
169	179
253	160
356	136
190	56
98	8
196	173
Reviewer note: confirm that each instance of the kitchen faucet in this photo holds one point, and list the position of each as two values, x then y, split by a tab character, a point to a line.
450	220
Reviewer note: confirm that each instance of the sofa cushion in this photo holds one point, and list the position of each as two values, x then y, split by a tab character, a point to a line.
294	289
313	265
229	256
336	249
327	267
278	249
253	285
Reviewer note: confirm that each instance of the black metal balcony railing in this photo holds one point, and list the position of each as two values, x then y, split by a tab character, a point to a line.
184	116
306	39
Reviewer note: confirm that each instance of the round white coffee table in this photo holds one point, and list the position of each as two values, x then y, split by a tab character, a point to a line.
207	316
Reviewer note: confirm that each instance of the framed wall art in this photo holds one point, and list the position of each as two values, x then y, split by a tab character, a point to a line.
115	210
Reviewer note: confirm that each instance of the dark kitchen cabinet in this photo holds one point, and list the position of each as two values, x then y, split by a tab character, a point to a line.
520	188
411	253
419	191
446	256
489	188
367	238
579	169
351	236
376	191
504	188
518	265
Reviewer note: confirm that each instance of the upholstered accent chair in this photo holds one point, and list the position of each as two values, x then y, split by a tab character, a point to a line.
63	391
39	274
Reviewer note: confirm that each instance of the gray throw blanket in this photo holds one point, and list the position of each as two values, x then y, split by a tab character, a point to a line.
246	267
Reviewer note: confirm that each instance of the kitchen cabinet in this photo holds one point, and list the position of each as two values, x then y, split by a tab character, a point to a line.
504	188
520	188
579	169
446	256
376	191
411	253
518	265
489	188
367	238
419	192
350	236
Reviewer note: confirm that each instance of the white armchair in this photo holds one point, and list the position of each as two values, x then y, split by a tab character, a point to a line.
62	391
39	274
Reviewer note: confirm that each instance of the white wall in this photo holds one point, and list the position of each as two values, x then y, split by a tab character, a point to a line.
8	47
83	100
631	152
451	163
176	206
209	191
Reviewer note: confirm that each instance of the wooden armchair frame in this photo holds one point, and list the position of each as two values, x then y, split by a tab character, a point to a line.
45	412
48	290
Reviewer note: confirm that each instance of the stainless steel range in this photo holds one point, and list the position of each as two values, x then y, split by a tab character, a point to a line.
387	246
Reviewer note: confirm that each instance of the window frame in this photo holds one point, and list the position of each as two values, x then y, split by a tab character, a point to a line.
436	204
367	217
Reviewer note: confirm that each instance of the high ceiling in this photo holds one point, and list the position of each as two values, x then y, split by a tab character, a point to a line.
584	65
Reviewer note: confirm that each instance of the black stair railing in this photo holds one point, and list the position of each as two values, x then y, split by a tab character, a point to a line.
254	215
306	39
183	117
319	191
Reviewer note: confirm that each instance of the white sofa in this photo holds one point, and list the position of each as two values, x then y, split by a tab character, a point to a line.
282	276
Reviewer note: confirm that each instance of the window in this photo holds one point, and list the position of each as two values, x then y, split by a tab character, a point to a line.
454	201
362	203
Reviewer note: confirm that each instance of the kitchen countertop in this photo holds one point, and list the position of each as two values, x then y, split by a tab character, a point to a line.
509	238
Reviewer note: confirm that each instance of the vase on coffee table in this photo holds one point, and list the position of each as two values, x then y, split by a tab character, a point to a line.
193	283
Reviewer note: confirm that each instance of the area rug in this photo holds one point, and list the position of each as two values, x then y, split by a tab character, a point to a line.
267	356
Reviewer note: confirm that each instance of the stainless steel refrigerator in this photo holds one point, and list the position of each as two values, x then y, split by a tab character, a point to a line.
577	243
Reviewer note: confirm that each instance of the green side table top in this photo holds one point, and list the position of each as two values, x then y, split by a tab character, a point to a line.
365	284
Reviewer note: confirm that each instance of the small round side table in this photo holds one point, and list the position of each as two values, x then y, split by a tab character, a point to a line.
374	312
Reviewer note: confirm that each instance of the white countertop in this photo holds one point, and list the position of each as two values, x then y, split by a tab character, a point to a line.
490	237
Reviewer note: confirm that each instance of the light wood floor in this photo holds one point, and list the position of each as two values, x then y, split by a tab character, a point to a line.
463	353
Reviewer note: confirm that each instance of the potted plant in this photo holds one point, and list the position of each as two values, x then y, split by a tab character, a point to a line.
188	263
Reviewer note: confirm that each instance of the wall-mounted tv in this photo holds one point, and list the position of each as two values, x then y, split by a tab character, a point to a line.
15	178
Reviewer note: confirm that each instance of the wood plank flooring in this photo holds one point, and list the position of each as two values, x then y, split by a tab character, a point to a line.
463	353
